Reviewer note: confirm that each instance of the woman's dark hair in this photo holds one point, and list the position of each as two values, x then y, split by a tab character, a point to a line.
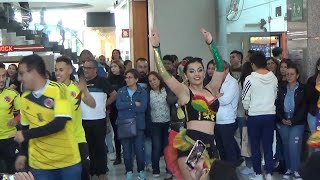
210	62
316	72
190	61
121	67
126	62
293	66
246	71
259	59
134	72
15	76
34	62
222	170
276	62
118	52
162	84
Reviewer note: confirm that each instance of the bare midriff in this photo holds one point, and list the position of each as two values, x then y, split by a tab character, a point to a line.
202	126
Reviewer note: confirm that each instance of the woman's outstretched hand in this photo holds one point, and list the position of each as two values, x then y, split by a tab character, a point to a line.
154	38
206	35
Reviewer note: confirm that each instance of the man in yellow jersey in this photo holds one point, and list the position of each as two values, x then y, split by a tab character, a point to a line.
47	135
9	100
78	92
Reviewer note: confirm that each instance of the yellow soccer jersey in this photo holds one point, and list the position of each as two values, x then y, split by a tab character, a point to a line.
76	114
9	100
58	150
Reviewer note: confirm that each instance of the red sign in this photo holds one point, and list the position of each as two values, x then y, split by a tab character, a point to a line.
9	48
6	48
125	33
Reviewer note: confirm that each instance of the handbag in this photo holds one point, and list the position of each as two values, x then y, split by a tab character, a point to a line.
127	128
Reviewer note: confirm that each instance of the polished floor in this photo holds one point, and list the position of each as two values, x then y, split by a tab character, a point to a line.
118	173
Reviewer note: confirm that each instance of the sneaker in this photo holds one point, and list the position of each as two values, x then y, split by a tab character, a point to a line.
256	177
269	177
247	171
287	175
141	176
156	175
169	176
296	176
117	161
129	175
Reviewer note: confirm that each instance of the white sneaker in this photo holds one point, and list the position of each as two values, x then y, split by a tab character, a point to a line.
247	171
287	175
296	176
256	177
148	168
269	177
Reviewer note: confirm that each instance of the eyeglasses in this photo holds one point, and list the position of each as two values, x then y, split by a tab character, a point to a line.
88	68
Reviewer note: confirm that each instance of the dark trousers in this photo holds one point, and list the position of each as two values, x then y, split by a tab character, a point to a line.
113	117
137	143
159	138
95	134
260	131
7	153
226	143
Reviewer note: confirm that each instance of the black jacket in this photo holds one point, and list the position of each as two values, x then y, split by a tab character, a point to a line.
312	95
300	108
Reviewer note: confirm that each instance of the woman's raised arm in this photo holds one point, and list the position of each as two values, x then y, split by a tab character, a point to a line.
216	80
176	87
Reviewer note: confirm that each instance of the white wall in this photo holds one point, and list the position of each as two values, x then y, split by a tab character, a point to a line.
255	10
179	21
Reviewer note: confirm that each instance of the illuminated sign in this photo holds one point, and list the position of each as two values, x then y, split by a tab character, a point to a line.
6	48
9	48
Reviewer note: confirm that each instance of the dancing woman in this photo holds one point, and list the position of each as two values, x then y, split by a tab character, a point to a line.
199	103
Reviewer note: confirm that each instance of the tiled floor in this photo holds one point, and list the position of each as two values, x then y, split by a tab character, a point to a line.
118	173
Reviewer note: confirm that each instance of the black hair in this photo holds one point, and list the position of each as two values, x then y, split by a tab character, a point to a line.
2	66
293	66
191	60
34	62
64	59
14	66
238	53
174	57
246	71
118	52
276	51
134	72
168	58
222	170
316	72
259	59
210	62
126	62
250	51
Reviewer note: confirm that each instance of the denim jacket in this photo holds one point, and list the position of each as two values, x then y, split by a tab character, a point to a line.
127	108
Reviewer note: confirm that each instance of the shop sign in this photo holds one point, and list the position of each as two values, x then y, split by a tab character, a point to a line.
297	10
10	48
125	33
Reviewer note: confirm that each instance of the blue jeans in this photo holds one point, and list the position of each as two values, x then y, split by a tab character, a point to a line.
227	146
159	137
148	150
260	130
292	143
138	143
67	173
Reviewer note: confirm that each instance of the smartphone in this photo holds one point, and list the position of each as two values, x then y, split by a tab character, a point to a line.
195	154
6	176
